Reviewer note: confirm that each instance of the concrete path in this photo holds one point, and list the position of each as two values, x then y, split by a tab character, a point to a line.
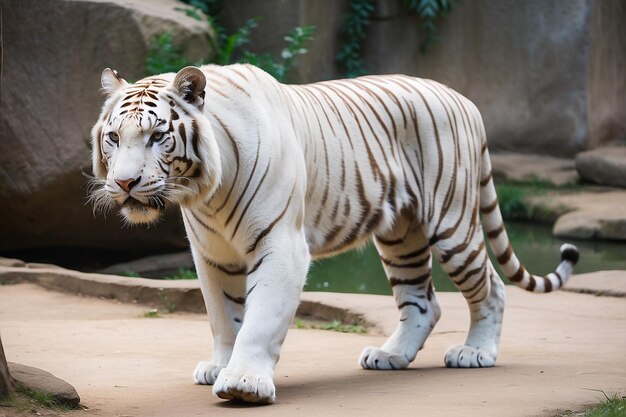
557	350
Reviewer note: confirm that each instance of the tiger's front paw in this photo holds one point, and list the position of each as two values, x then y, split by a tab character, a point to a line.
373	358
246	387
206	373
469	357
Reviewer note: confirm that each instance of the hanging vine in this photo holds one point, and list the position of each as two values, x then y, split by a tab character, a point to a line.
428	12
353	34
354	27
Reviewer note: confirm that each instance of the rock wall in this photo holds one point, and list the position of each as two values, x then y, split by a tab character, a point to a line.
548	75
54	53
524	64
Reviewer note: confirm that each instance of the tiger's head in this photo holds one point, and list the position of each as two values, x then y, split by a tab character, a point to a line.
152	145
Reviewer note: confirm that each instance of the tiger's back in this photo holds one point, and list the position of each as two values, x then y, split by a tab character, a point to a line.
375	146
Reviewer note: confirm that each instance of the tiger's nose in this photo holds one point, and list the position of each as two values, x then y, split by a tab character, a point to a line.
128	184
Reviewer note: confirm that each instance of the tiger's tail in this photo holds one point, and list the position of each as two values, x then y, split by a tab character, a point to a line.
499	241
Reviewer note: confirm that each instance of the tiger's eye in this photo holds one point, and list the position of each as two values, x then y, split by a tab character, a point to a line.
114	137
157	136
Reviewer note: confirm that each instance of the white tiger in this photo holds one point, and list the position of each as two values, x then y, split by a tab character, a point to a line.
269	175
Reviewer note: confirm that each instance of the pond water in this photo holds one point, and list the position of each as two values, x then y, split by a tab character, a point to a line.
361	271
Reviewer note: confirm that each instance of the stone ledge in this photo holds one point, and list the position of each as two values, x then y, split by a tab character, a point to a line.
593	214
186	296
601	283
150	266
518	167
179	295
163	294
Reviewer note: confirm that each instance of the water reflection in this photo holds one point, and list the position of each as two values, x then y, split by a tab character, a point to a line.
361	271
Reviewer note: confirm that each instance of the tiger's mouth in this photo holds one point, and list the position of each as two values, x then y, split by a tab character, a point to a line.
154	202
136	211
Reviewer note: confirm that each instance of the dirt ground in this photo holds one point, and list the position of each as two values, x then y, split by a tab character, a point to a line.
557	352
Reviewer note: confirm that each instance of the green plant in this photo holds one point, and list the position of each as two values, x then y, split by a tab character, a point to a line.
353	34
612	406
163	56
183	273
428	12
227	44
130	274
151	314
338	326
280	68
25	399
516	204
516	199
169	306
334	325
511	201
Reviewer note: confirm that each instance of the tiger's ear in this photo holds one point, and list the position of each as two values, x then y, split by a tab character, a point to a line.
189	84
111	81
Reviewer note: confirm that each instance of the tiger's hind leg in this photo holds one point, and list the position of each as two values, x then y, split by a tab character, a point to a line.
468	265
406	258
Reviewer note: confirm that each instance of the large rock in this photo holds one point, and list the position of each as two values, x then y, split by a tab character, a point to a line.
594	214
518	167
54	53
605	166
152	266
42	381
594	224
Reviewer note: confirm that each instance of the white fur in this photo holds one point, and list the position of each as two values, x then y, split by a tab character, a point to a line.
294	172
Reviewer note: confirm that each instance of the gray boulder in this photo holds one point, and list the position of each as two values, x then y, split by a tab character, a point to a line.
152	266
594	214
592	225
605	166
39	380
54	53
518	167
